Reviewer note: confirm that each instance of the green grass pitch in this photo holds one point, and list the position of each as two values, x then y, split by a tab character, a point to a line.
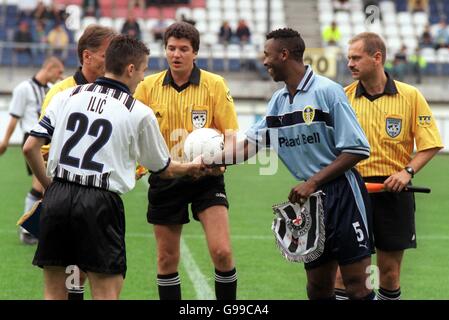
262	272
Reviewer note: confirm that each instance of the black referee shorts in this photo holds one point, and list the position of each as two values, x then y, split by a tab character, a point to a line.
82	226
169	199
393	219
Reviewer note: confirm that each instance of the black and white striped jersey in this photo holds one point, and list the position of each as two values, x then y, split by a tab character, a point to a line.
98	132
26	102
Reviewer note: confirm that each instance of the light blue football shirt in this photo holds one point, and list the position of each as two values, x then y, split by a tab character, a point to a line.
313	130
309	133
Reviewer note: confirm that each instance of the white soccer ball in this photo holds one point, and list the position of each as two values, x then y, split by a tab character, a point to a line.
205	141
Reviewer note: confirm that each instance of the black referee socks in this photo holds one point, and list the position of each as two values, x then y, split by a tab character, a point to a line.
226	284
169	286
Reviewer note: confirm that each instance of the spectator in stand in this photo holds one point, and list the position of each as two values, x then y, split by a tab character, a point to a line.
426	39
40	13
23	37
91	8
243	33
57	14
400	64
131	27
417	63
159	29
418	5
442	35
39	39
133	4
341	5
24	8
58	41
225	35
331	34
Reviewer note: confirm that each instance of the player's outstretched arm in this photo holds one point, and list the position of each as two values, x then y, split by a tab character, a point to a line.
9	131
177	169
32	152
234	153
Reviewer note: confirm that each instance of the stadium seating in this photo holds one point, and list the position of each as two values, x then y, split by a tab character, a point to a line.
398	26
208	15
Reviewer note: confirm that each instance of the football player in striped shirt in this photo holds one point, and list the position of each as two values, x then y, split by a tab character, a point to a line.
91	49
25	109
98	131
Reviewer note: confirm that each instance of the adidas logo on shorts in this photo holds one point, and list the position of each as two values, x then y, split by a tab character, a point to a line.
220	195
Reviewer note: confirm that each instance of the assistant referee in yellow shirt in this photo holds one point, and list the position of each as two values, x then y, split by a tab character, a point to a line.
185	98
394	116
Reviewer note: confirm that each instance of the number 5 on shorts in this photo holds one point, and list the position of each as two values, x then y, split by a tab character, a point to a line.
358	231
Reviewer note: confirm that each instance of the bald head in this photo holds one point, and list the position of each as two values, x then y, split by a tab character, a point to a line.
51	62
51	71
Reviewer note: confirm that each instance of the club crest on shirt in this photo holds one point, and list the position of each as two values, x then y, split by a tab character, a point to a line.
424	121
308	114
199	118
393	127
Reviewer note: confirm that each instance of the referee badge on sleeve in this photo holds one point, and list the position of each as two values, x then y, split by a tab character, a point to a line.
424	121
299	229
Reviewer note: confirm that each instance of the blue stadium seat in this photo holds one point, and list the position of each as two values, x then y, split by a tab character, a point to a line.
234	64
11	11
218	64
23	59
154	63
401	5
202	63
72	59
38	58
6	56
445	68
431	69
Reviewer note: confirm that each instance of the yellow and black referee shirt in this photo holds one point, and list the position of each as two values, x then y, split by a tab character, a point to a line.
393	121
203	102
70	82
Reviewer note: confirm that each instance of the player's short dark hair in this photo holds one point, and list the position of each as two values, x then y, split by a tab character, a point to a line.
372	43
289	39
185	30
123	51
93	37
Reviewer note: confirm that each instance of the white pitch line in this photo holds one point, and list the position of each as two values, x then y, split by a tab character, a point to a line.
202	289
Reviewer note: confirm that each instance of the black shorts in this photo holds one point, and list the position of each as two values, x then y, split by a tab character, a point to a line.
82	226
169	199
393	219
25	137
348	230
